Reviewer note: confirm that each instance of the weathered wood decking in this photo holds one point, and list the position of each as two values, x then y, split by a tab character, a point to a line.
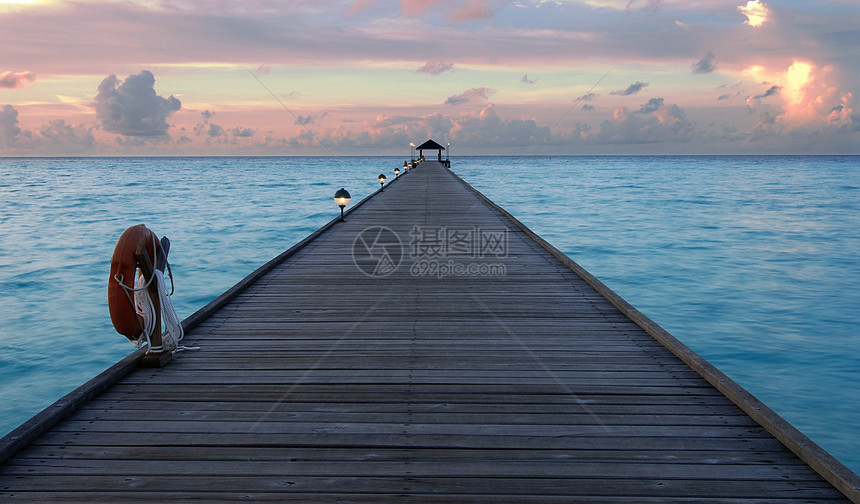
319	382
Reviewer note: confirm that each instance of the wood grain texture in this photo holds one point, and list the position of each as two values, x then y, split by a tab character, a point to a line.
319	382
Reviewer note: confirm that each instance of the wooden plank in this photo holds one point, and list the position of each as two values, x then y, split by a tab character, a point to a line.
377	498
132	406
452	467
373	498
94	441
287	485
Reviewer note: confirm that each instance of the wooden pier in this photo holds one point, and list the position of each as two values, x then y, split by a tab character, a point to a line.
428	349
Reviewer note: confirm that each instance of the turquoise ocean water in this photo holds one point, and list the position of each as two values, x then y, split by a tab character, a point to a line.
750	261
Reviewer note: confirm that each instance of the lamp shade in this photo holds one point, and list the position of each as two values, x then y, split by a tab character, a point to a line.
341	197
381	178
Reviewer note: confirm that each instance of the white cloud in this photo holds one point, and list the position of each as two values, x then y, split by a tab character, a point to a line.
755	11
132	108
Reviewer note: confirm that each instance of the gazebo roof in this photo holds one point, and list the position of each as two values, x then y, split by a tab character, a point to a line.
430	144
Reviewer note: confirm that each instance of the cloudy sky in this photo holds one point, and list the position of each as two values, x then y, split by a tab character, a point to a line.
306	77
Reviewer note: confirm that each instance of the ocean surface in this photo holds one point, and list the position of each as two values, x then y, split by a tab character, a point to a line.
750	261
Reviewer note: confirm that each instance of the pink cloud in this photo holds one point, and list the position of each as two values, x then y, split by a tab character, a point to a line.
456	11
436	67
470	10
487	129
58	136
417	6
470	95
804	97
360	6
474	129
55	138
654	122
16	80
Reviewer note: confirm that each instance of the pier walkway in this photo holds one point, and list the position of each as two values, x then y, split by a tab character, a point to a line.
427	349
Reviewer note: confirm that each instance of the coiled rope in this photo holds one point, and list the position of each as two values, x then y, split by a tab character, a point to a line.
173	332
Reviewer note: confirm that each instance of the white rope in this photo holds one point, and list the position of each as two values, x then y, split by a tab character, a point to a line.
172	333
138	286
172	324
144	308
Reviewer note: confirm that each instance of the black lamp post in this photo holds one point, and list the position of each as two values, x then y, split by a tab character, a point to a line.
341	197
381	180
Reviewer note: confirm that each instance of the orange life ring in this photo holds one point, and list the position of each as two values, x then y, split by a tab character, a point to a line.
123	269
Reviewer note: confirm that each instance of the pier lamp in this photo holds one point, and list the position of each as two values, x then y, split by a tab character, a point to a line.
447	151
381	180
341	197
405	166
396	172
412	151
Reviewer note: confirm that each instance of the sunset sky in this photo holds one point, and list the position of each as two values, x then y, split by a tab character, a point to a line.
306	77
